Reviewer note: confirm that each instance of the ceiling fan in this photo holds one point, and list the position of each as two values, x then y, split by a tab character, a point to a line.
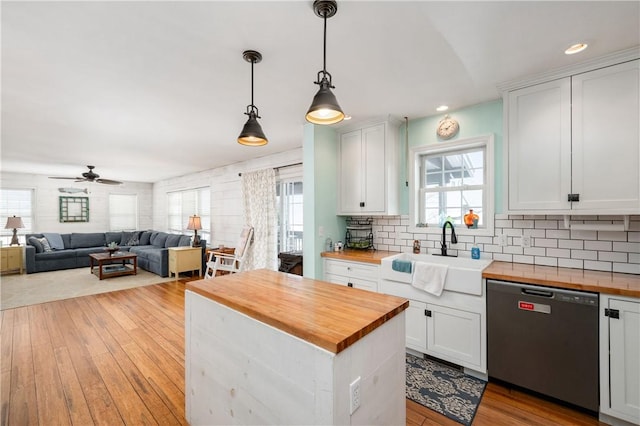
89	176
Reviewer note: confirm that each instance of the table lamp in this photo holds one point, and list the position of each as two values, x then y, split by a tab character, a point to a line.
195	224
15	223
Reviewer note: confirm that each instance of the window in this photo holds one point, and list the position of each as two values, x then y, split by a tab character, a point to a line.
449	180
16	202
289	204
123	212
183	204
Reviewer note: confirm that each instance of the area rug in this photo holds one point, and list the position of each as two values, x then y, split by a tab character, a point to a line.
444	389
30	289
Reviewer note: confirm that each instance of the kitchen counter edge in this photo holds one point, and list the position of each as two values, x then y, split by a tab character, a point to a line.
567	278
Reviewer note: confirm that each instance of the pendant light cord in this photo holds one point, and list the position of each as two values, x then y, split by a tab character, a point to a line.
324	51
252	62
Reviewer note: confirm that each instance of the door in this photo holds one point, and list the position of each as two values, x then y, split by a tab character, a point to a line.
624	353
416	326
454	335
539	144
606	137
351	172
373	145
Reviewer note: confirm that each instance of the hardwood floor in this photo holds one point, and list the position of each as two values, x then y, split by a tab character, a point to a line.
118	358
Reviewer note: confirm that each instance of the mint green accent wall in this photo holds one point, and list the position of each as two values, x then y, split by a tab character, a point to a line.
474	121
320	154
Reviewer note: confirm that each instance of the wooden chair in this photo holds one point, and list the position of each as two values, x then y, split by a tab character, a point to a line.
226	262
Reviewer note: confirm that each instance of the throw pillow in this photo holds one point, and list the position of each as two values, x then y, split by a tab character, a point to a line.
144	238
45	244
125	237
36	243
133	241
54	240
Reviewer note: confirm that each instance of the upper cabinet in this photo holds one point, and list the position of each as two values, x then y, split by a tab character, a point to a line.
573	143
368	171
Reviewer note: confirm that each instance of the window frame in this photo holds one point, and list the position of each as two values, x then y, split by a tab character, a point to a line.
111	198
484	141
284	176
29	221
205	232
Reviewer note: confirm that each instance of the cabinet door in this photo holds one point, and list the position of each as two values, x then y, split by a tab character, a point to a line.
351	172
624	353
416	326
454	335
606	138
539	144
373	151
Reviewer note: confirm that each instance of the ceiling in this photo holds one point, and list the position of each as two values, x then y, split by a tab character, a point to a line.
151	90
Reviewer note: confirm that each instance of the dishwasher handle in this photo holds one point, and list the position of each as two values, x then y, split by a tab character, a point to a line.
536	292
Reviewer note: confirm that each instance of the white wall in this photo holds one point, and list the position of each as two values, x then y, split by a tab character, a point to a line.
46	202
227	212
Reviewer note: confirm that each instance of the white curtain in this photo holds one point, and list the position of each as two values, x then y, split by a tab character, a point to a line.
259	197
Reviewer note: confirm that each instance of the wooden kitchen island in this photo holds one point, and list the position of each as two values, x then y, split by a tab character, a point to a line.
265	347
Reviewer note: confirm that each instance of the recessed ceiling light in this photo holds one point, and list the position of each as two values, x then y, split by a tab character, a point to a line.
579	47
442	108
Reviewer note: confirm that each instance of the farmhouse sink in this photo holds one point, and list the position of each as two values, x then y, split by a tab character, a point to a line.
464	275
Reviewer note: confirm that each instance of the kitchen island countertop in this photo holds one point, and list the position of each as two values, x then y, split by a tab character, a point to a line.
330	316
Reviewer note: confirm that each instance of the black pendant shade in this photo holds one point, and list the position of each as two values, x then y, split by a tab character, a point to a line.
324	109
252	134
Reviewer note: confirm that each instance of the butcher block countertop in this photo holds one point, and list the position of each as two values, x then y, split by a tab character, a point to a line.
572	279
366	256
330	316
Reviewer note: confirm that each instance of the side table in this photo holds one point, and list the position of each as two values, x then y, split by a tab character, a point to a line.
11	259
183	259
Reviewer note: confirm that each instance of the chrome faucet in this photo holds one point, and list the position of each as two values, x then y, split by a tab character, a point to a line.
443	243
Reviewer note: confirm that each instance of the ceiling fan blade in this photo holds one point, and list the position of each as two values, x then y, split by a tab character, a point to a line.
108	181
64	177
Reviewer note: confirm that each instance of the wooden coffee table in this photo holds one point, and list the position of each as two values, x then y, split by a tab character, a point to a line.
118	264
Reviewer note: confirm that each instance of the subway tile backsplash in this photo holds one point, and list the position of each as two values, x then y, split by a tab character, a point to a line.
551	243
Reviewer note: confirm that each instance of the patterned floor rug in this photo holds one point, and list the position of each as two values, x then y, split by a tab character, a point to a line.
444	389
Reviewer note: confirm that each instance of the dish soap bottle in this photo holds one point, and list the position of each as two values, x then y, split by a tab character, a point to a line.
475	252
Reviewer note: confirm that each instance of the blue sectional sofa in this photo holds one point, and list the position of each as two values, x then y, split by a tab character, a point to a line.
150	246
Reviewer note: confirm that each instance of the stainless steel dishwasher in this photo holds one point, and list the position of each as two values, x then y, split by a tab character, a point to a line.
544	339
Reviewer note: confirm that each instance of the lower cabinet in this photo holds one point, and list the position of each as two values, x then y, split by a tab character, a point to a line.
416	326
353	274
450	334
619	355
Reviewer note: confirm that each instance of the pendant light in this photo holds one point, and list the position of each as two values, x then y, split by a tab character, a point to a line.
252	134
324	109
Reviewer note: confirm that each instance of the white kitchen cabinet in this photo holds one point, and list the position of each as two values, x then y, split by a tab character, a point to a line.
619	357
454	335
576	137
368	170
352	274
446	333
416	326
540	146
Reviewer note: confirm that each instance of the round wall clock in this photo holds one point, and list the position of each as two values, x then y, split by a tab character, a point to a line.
447	127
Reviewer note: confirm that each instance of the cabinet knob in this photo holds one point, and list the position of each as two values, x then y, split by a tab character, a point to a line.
573	197
427	312
349	284
361	203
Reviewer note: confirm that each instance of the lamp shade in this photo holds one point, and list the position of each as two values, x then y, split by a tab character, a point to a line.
252	134
324	109
14	223
194	223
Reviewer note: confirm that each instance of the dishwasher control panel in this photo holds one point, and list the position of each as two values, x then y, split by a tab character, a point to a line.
578	298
